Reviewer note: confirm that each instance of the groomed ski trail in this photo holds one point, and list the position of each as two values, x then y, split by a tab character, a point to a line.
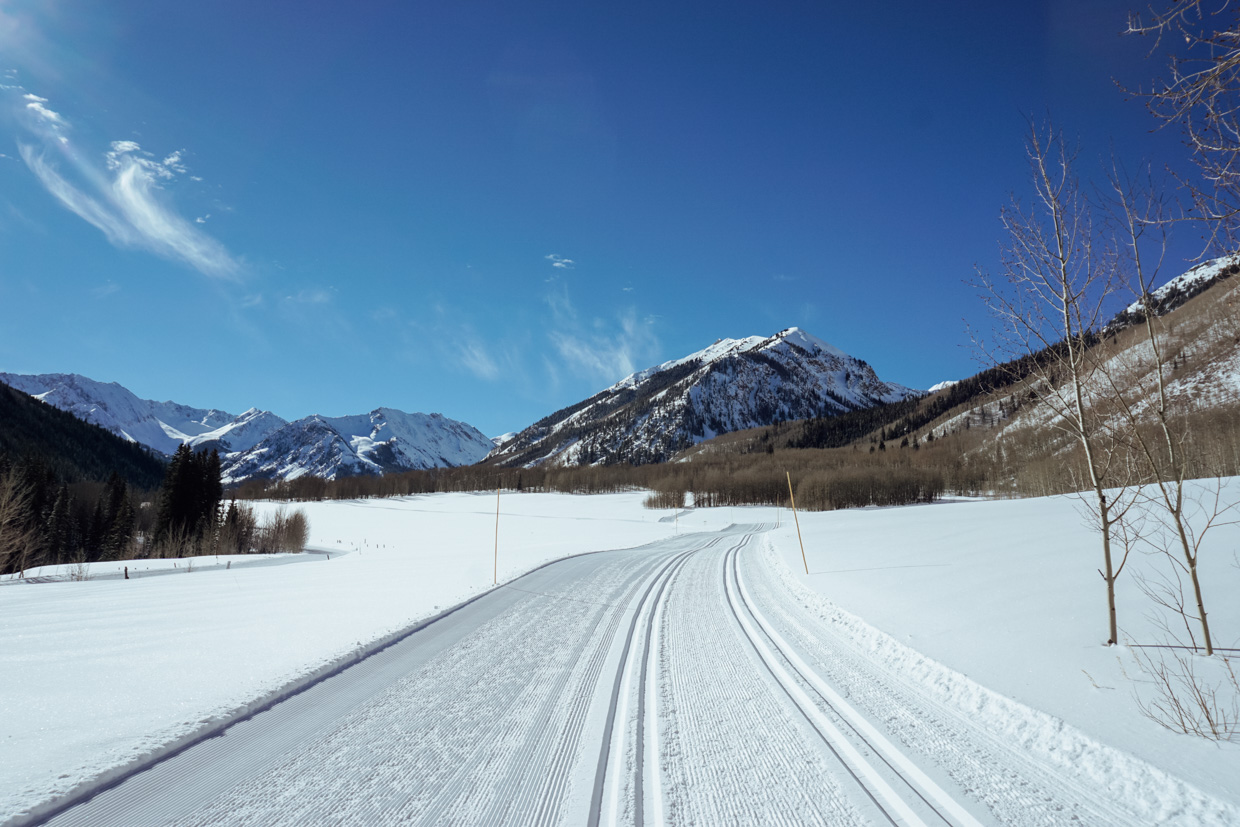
670	684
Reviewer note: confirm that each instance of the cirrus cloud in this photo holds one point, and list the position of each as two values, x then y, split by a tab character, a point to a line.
123	196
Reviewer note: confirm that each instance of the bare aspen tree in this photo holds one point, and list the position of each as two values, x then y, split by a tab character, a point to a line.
1142	399
1201	94
1048	304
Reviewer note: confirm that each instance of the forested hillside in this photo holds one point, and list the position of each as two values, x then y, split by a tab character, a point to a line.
74	450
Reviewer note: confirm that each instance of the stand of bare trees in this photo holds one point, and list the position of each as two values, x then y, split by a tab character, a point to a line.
1109	391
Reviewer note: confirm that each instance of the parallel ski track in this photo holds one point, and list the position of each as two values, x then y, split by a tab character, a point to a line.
611	762
783	666
501	727
733	751
1017	790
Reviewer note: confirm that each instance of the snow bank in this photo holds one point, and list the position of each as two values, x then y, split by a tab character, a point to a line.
997	607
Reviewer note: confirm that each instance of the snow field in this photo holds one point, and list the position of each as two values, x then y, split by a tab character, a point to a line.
98	675
1006	593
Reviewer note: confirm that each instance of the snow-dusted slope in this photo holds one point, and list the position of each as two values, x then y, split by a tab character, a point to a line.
1179	290
243	432
731	385
383	440
162	426
260	444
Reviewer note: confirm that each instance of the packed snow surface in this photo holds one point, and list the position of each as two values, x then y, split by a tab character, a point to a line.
960	642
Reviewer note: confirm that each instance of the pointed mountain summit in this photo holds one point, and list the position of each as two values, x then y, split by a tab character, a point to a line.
260	444
383	440
731	385
161	426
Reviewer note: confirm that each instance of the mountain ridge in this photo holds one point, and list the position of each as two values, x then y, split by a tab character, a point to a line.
730	385
258	443
384	440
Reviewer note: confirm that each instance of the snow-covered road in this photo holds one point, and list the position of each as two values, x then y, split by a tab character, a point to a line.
673	684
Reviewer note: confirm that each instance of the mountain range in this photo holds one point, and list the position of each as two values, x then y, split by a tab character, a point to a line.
729	386
646	417
161	426
259	444
381	441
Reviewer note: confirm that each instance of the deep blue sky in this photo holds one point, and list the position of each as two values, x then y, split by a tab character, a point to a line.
493	209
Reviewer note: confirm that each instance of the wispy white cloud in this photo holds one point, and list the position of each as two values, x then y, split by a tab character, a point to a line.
610	349
123	196
475	358
562	309
560	262
44	114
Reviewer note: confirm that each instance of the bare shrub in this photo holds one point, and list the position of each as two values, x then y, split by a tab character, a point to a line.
1189	693
79	570
665	499
237	530
283	531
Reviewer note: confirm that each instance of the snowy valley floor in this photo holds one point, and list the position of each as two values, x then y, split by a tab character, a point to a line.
96	675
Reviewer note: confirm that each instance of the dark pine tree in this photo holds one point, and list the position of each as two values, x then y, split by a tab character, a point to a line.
190	497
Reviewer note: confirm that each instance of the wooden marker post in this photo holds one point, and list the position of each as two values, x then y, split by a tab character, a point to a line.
495	577
793	500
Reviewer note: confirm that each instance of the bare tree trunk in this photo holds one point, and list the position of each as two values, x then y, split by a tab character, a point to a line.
1056	282
1140	209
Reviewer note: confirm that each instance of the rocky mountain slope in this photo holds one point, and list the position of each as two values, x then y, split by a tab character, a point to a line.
383	440
162	426
731	385
259	443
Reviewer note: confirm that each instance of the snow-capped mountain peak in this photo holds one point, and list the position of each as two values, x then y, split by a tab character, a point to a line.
383	440
258	443
161	426
730	385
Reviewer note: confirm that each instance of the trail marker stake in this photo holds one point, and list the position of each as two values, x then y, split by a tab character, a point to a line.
793	500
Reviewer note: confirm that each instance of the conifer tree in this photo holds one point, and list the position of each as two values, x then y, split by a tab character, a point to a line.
59	532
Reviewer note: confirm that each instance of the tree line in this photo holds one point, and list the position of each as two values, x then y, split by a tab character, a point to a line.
46	520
